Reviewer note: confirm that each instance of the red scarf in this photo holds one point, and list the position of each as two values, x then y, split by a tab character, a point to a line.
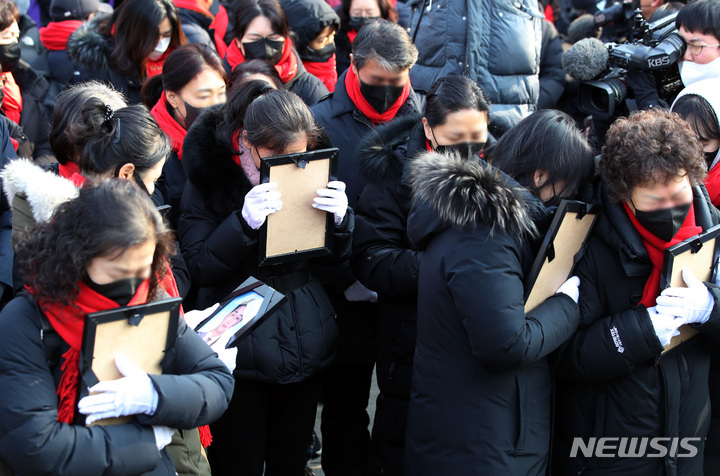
153	68
352	85
69	322
656	251
287	67
13	102
325	72
712	183
351	34
55	36
169	125
68	170
219	22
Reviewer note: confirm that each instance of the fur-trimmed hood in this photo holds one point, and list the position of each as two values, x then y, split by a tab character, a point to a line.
44	190
467	194
385	151
87	46
210	167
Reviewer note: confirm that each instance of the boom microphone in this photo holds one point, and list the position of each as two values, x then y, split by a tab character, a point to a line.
585	60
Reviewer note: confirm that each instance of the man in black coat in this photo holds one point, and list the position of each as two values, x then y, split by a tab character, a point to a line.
614	381
375	89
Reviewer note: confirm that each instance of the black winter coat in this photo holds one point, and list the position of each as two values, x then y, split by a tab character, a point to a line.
59	71
481	398
612	380
171	185
308	18
343	48
383	259
196	27
35	117
194	390
552	74
221	251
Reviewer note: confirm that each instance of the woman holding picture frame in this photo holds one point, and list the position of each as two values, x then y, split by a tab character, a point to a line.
270	422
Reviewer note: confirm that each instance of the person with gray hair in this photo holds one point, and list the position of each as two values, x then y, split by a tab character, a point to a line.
375	89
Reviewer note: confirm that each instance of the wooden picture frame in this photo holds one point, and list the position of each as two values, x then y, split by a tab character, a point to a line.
143	333
700	254
297	231
561	249
247	294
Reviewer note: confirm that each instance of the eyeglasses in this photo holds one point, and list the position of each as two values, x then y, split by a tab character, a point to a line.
696	49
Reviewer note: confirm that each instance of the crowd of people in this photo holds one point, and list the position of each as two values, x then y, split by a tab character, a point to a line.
131	142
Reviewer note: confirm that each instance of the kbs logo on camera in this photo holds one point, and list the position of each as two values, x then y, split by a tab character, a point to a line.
624	447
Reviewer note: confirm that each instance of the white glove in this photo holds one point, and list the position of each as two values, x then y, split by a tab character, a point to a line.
332	200
356	292
228	356
692	304
163	436
133	394
260	202
666	326
570	288
193	318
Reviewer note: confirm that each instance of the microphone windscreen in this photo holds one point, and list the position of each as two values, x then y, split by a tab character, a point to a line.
586	59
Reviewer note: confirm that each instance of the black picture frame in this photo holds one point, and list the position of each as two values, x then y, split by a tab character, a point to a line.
300	160
548	250
272	300
692	245
134	315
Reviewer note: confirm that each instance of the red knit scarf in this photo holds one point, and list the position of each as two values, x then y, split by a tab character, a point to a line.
54	37
153	68
656	251
68	170
12	102
219	22
169	125
325	72
287	67
352	85
712	183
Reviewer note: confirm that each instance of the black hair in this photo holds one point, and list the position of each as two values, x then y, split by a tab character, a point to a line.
700	16
55	256
451	94
701	116
247	10
547	140
68	109
387	43
114	138
180	67
270	118
387	12
136	33
254	66
8	14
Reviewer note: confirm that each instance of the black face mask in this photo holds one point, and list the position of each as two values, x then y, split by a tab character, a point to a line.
322	55
264	49
381	97
121	291
191	113
9	56
663	223
358	22
710	157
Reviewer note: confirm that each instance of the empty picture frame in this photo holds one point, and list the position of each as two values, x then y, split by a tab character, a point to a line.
561	249
142	333
248	306
297	231
698	253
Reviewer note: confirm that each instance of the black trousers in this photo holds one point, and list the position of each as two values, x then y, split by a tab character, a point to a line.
345	435
266	426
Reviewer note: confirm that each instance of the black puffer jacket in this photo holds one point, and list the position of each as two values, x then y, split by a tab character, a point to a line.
481	399
221	251
612	381
194	390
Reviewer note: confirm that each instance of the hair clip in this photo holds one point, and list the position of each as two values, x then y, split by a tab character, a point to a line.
109	113
117	132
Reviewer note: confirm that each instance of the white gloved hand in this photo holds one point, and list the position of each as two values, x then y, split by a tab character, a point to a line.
570	288
133	394
692	304
193	318
332	200
666	326
260	202
228	356
356	292
163	435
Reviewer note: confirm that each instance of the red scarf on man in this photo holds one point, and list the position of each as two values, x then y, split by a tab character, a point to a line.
12	102
219	22
55	36
169	125
656	251
352	86
287	67
325	72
